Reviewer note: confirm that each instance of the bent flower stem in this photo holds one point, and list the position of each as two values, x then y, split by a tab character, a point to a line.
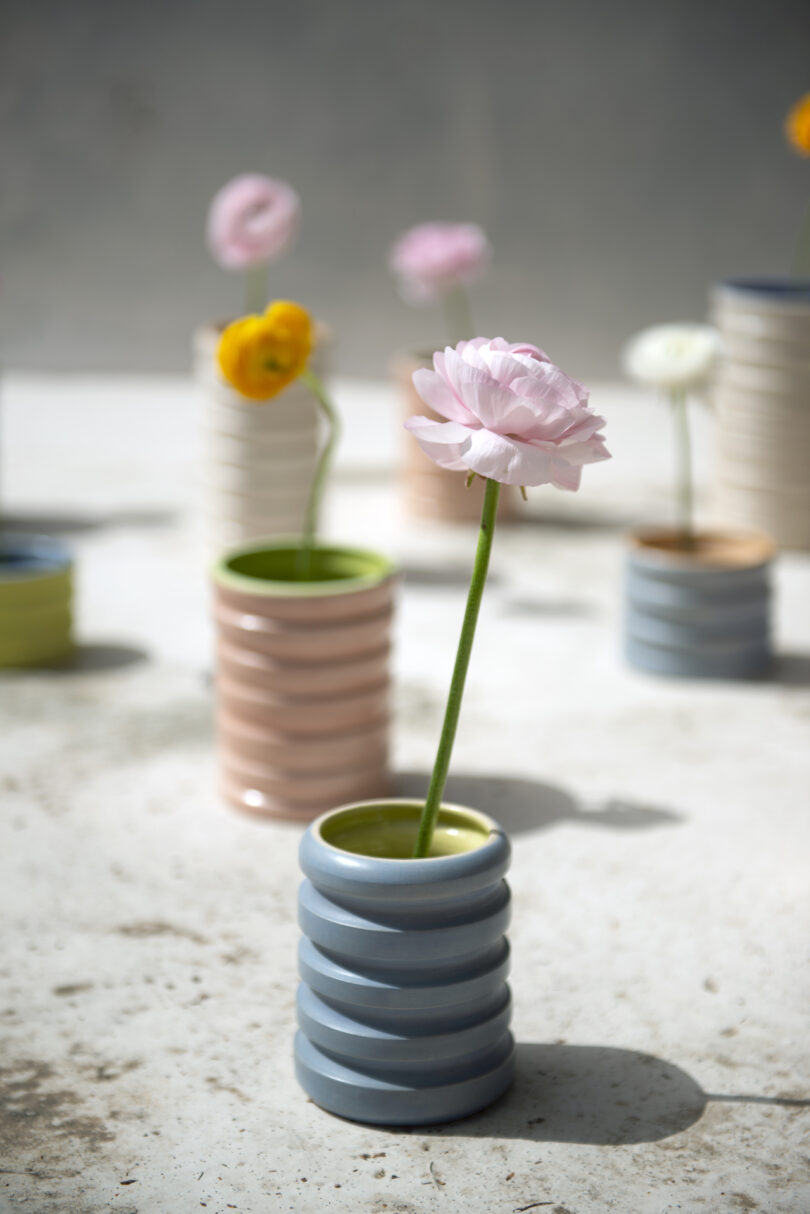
322	469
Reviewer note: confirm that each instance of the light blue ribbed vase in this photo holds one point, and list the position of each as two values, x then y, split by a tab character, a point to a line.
702	614
403	1007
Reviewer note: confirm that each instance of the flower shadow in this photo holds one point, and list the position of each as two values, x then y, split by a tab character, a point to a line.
597	1095
522	805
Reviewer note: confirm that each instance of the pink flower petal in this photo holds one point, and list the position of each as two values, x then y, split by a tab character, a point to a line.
507	460
436	392
252	220
512	415
434	257
444	442
565	475
547	384
526	348
592	451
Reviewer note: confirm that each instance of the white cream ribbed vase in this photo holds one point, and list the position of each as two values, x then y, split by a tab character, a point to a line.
762	400
258	458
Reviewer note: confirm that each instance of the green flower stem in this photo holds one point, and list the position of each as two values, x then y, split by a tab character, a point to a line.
322	470
433	801
257	279
685	491
457	314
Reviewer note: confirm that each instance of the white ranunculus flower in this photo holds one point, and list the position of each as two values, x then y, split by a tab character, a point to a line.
672	357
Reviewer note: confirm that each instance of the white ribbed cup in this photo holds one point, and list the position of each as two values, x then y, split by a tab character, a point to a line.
258	458
762	399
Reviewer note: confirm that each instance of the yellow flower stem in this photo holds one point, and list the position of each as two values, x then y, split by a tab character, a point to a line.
457	314
257	279
323	467
433	800
685	491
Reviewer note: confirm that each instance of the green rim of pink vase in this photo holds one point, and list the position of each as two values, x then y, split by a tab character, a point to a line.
273	568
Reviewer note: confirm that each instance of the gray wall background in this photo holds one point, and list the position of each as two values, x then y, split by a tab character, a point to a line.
621	155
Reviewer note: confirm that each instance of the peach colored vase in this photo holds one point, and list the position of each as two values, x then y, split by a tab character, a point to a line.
431	491
303	678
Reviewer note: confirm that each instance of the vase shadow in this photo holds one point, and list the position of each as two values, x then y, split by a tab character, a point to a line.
65	523
550	608
597	1095
579	520
522	805
444	577
791	669
94	658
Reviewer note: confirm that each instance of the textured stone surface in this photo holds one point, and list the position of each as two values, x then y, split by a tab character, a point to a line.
660	835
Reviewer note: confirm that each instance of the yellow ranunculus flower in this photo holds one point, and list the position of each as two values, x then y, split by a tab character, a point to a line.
797	125
261	355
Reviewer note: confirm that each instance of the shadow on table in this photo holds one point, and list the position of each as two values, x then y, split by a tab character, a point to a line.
67	523
91	658
442	577
550	609
596	1095
792	669
580	520
457	577
526	805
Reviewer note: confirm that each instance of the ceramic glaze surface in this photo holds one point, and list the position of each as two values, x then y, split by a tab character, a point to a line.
36	597
258	457
762	404
303	678
706	615
403	1007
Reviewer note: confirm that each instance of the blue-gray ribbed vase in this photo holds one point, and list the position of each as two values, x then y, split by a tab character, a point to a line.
704	613
403	1007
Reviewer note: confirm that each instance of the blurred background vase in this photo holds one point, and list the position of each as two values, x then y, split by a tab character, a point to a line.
763	407
258	458
429	491
702	613
303	678
36	597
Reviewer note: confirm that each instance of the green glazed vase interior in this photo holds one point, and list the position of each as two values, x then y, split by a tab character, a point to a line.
278	567
388	831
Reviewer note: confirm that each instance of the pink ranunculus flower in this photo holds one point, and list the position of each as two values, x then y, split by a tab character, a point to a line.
512	416
435	257
251	221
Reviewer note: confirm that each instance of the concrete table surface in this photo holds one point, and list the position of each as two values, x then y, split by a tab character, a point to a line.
661	839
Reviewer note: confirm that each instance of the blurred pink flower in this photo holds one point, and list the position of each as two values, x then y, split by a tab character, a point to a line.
252	220
512	416
436	257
